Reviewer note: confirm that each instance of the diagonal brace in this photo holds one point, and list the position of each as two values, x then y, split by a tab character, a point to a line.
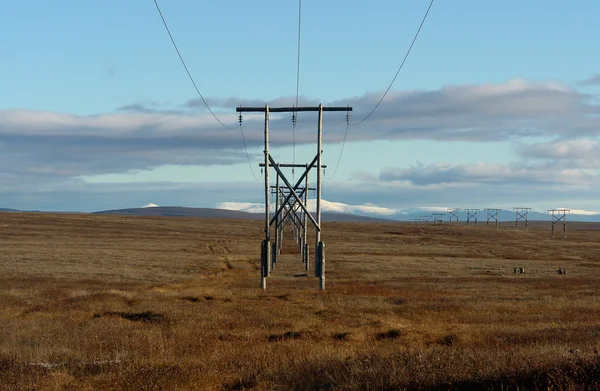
293	193
302	177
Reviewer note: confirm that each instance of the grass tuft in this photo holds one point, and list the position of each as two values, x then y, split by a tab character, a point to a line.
146	317
390	334
285	336
344	336
449	340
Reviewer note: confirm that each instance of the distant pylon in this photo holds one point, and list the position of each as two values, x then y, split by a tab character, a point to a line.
559	216
521	215
453	215
472	215
492	215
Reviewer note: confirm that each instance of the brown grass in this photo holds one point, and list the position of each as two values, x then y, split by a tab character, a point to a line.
105	302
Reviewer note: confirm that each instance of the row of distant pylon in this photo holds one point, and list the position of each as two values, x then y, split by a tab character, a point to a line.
521	214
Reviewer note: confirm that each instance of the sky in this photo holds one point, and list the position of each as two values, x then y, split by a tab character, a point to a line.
497	105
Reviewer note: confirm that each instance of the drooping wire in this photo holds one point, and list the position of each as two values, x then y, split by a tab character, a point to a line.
294	118
343	145
186	68
294	115
240	120
298	64
399	68
198	90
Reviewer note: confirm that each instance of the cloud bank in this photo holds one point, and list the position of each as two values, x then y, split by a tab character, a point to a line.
555	127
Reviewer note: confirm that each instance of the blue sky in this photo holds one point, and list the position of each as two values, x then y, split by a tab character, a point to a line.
496	106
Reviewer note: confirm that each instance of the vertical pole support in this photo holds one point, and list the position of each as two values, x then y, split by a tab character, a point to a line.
319	184
267	196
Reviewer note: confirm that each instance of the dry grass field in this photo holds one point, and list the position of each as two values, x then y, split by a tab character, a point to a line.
90	302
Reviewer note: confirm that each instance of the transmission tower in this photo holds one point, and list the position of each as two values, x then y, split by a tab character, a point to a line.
492	215
285	206
521	215
472	215
438	218
453	215
559	216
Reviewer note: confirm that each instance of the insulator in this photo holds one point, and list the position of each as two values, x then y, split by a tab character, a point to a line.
294	119
348	117
240	119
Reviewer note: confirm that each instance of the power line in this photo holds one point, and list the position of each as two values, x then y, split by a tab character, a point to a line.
186	68
294	115
399	68
246	148
198	90
298	65
341	153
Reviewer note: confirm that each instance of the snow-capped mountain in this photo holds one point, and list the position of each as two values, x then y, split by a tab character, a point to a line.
326	206
371	210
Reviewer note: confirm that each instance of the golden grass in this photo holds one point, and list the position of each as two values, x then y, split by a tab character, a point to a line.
107	302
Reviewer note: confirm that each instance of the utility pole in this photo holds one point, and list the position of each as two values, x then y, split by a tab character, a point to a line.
492	215
438	218
266	261
472	215
277	244
305	250
559	216
453	215
317	164
320	258
521	215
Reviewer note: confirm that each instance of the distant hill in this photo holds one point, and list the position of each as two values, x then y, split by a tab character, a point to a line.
339	214
181	211
350	218
211	213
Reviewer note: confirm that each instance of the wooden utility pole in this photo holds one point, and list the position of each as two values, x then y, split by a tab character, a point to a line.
305	257
472	215
492	215
319	258
559	216
521	215
299	199
277	245
453	215
438	218
266	262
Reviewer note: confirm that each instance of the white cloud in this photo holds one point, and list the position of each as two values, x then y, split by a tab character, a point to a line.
433	208
46	151
581	212
591	81
326	206
478	173
150	205
563	149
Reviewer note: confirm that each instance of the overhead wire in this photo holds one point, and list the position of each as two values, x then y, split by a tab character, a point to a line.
185	66
399	68
240	120
348	124
342	150
198	90
295	115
